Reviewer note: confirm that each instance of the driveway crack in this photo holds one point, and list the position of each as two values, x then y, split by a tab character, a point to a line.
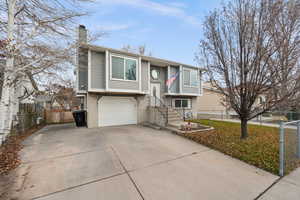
127	172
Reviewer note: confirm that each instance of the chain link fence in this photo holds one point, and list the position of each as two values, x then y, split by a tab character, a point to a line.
274	117
288	124
289	146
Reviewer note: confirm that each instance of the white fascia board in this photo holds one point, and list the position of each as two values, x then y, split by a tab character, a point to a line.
89	68
140	74
180	78
107	57
149	77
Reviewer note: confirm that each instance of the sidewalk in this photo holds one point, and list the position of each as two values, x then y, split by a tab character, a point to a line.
288	188
254	123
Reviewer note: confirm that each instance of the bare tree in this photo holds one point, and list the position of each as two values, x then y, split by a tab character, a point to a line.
287	41
38	43
141	49
242	53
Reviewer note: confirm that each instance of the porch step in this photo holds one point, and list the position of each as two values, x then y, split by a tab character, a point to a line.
178	124
151	126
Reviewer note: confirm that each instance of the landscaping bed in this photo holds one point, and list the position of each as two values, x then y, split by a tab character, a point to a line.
9	151
260	149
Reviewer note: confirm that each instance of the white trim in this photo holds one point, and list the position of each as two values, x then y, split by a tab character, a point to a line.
124	90
97	90
106	69
80	95
128	58
117	90
180	78
190	70
81	91
168	87
89	68
140	74
149	77
182	94
201	83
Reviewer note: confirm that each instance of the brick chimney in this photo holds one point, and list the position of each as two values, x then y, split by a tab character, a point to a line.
82	34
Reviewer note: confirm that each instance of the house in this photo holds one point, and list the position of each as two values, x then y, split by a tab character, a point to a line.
118	88
211	100
213	104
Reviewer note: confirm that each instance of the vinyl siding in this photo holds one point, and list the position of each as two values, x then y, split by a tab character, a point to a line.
82	76
145	76
97	70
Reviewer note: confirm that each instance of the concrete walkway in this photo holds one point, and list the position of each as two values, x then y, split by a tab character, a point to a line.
62	162
287	188
255	123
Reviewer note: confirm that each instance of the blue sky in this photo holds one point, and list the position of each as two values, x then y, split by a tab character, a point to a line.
169	29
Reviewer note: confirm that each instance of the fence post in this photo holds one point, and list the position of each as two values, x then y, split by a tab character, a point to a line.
298	139
281	150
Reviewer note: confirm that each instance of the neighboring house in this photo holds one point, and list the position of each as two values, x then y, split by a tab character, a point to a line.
43	100
117	87
211	100
213	104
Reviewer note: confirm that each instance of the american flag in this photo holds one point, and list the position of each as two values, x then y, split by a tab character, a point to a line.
172	79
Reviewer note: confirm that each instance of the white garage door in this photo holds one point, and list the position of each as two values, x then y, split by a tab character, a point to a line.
115	111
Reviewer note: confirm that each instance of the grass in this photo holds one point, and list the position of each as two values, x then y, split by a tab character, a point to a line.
260	149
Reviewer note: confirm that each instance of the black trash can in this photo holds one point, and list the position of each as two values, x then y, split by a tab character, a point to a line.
80	117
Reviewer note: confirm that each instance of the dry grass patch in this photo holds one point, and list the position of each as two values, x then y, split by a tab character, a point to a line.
260	149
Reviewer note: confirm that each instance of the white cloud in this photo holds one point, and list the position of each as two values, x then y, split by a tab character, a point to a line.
113	26
173	9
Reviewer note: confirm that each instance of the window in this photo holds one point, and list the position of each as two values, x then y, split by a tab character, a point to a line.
182	103
123	68
190	78
186	77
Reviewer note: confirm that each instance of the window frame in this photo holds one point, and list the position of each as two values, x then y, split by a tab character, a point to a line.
189	103
124	67
190	77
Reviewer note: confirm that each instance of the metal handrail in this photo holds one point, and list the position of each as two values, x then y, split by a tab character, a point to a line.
165	115
168	107
291	122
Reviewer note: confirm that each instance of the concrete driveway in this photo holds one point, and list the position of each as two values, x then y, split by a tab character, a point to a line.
127	163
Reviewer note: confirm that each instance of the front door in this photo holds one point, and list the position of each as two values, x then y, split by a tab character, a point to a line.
154	92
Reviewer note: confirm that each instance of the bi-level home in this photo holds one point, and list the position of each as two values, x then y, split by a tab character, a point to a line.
118	87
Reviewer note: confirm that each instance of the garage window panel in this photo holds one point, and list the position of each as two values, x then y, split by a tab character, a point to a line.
123	68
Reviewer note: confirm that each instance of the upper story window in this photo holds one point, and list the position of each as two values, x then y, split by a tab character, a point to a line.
123	68
190	77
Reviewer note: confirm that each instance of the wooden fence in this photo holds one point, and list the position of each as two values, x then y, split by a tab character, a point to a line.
58	116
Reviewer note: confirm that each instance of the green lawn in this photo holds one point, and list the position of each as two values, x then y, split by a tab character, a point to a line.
260	149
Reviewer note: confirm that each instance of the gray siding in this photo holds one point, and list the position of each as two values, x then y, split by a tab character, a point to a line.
97	70
187	89
123	85
190	90
145	76
175	85
82	76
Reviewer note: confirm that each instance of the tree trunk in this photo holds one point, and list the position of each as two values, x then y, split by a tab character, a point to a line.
8	88
244	131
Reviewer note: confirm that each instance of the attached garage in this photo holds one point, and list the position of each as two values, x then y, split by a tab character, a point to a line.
114	111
